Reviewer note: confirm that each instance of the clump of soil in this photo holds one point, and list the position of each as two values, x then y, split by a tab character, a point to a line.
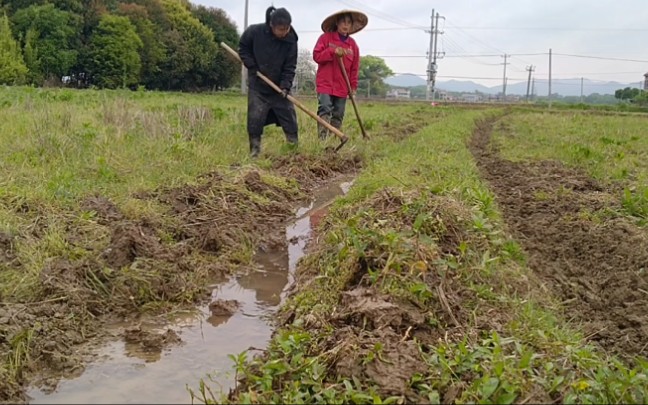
151	341
597	268
222	307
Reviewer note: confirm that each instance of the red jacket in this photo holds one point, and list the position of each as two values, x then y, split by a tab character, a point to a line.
329	79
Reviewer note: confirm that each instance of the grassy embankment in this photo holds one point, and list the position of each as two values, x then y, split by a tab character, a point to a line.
415	292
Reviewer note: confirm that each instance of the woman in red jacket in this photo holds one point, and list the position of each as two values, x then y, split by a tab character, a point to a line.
336	42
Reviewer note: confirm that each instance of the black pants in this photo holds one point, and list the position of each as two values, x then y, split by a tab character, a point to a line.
331	108
267	109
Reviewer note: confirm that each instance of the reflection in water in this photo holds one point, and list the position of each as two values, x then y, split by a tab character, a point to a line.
135	350
127	374
270	282
217	320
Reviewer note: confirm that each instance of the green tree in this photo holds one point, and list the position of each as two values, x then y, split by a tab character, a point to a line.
114	51
12	66
373	72
190	48
641	98
223	69
55	38
31	57
153	51
626	94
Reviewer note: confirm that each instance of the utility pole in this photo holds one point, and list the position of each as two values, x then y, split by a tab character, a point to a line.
529	69
433	55
243	69
504	78
581	99
549	95
533	88
430	79
434	64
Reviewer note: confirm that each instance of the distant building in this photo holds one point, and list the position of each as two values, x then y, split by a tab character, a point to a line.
470	97
646	82
442	95
398	93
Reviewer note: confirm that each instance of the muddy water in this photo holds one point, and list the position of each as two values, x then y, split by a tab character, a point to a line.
125	373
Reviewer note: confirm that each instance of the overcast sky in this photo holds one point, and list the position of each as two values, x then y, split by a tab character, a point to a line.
525	29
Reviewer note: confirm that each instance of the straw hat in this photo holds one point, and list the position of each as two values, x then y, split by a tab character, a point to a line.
359	18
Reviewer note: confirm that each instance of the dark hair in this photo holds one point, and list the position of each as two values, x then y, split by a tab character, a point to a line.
344	15
341	17
278	16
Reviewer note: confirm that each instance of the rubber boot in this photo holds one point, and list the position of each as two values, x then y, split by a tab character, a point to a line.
336	122
292	139
255	147
321	129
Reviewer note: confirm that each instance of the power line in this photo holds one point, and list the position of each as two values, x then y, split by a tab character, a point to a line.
379	14
475	39
562	82
600	57
547	28
526	54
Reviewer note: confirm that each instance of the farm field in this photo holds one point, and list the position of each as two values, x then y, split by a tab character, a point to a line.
476	253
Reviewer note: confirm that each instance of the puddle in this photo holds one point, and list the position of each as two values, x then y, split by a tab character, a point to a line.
126	373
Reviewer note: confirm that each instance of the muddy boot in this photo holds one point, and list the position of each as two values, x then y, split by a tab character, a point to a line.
255	147
321	129
293	140
336	122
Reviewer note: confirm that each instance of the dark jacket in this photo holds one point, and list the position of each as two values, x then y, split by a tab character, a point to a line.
275	58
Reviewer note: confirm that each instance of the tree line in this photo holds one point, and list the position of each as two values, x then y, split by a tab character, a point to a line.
159	44
632	95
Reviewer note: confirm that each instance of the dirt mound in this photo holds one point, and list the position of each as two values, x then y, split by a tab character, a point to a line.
106	211
311	170
596	265
377	336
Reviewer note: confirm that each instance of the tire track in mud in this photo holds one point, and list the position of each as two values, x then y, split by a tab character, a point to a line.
598	269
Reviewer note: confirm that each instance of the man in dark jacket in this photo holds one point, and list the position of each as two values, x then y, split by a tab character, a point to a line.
271	49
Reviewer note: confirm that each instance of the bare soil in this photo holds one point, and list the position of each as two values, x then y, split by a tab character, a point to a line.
597	266
145	265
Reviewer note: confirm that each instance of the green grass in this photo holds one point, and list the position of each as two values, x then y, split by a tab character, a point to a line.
513	344
61	145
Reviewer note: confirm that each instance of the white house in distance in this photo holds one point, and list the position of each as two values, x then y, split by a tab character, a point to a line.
398	93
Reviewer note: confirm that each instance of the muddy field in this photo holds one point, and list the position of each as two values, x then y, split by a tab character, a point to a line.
129	265
594	261
589	259
148	264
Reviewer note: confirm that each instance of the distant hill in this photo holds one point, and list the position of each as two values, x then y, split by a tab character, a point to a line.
564	87
405	81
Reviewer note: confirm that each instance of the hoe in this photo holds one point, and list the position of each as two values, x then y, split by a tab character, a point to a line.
343	138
